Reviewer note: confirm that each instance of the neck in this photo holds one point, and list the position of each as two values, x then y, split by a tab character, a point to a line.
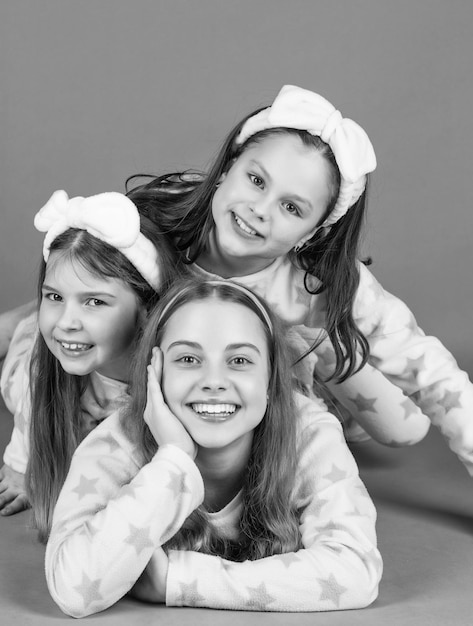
223	471
213	260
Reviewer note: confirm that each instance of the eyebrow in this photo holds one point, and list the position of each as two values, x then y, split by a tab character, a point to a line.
86	294
197	346
295	196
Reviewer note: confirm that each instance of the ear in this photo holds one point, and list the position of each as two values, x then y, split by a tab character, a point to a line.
306	238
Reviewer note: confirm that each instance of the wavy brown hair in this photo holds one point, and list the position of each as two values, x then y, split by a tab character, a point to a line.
181	204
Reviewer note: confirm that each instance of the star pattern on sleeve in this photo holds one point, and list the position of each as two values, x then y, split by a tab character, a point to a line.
287	559
89	590
259	598
335	474
139	538
331	590
363	403
86	487
355	512
451	400
331	527
318	506
415	365
177	484
189	594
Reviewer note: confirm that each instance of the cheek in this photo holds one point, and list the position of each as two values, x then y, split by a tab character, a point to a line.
45	321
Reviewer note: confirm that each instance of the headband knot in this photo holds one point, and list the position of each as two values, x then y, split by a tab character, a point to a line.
302	109
334	120
110	217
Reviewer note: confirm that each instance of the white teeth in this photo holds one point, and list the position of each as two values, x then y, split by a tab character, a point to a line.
214	409
75	346
244	226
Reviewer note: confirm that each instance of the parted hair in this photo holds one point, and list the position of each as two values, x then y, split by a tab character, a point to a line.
269	520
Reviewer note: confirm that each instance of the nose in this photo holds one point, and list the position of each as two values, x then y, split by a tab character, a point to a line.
261	208
69	319
214	378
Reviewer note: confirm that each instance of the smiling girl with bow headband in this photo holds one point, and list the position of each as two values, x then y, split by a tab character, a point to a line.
105	265
281	211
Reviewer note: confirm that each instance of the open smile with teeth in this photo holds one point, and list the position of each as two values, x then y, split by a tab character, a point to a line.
245	227
214	412
75	347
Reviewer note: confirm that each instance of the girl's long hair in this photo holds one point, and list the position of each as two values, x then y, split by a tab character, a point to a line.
181	203
56	418
269	521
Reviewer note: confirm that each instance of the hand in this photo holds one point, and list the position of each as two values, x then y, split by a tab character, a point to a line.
163	424
12	491
151	585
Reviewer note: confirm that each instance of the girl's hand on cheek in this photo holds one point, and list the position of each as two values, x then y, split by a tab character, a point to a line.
163	424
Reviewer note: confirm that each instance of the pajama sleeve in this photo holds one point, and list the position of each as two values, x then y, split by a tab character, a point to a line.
14	380
418	364
17	451
338	566
111	516
16	392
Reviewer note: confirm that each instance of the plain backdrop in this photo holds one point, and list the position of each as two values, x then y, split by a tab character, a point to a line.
93	91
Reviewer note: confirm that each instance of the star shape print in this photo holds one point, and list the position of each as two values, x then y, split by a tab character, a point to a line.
86	487
331	590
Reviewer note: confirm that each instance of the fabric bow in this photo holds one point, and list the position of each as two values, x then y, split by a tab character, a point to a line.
110	217
302	109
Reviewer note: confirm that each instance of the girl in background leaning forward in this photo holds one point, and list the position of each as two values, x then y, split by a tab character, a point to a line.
281	211
225	489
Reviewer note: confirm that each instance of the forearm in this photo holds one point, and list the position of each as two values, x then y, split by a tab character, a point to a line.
97	552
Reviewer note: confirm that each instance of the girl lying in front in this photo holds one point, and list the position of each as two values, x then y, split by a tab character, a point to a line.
218	486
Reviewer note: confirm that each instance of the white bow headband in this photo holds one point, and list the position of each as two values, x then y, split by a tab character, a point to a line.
299	108
111	217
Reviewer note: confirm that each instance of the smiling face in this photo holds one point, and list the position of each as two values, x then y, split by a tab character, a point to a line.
215	371
88	323
273	196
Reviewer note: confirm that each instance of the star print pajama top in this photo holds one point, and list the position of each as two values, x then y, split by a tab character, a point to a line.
114	512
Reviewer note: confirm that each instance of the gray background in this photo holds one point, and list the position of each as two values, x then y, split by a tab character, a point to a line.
94	91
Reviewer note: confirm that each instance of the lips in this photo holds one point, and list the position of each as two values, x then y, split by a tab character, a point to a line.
245	227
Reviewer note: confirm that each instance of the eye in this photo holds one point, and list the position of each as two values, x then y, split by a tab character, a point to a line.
291	208
53	297
188	359
256	180
240	361
95	302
